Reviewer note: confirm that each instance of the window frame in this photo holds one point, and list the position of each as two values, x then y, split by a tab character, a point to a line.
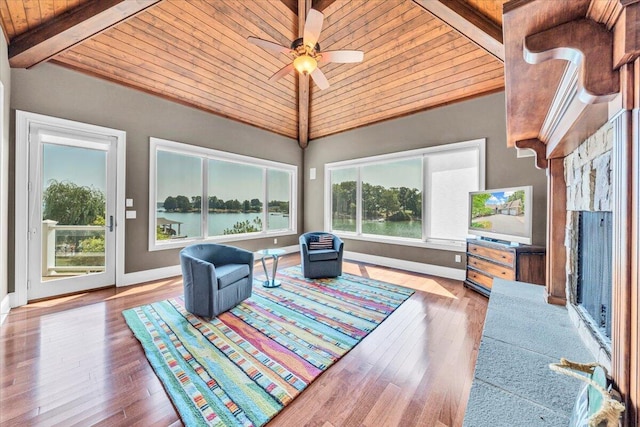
206	154
425	241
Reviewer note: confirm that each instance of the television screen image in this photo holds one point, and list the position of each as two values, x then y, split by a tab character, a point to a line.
501	214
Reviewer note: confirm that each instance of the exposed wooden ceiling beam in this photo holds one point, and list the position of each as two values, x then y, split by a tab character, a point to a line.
303	80
318	5
292	5
470	23
303	83
321	5
71	28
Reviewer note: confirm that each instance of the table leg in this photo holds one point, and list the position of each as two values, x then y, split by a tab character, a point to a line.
270	283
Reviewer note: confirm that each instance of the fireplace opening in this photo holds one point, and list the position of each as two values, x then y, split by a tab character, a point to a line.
594	281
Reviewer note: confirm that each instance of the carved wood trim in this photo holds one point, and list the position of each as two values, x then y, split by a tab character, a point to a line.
586	44
605	11
538	147
468	22
626	36
563	112
69	29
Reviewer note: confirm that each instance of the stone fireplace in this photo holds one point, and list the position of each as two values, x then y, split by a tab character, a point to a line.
588	176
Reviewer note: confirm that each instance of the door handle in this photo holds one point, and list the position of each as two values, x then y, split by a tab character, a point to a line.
110	226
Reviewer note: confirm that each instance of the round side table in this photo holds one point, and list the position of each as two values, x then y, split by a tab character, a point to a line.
273	254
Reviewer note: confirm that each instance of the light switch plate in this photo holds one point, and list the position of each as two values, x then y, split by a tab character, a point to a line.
312	173
129	203
131	214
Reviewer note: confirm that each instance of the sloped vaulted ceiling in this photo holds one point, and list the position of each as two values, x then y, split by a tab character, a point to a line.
195	52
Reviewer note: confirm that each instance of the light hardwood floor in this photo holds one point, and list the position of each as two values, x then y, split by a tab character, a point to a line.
73	361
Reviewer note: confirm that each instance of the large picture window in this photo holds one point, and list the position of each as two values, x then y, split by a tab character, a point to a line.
344	200
392	198
235	198
203	194
416	197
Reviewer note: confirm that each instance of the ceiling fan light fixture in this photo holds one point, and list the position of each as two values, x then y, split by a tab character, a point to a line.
305	64
305	52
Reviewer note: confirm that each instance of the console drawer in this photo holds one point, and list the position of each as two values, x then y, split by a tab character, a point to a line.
495	270
503	257
479	278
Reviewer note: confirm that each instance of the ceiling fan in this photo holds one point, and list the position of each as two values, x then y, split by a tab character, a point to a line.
306	54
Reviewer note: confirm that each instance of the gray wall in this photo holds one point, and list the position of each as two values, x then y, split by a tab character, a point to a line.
5	78
56	91
478	118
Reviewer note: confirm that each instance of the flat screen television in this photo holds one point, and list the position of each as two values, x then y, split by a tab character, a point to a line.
503	214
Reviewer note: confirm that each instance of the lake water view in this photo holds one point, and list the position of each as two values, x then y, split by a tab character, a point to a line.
410	229
218	222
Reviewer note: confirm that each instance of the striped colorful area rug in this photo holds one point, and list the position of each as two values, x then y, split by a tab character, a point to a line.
243	367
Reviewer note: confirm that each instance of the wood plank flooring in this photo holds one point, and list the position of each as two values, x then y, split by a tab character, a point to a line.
73	361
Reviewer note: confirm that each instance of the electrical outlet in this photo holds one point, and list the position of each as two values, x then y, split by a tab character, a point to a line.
458	258
275	241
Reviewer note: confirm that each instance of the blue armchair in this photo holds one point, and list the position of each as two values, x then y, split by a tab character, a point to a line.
215	277
317	263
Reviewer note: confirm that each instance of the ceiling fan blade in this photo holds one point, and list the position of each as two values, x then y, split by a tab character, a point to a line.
312	28
266	44
320	79
281	73
342	56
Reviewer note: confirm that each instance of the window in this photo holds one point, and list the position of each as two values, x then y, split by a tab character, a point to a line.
392	198
203	194
451	175
416	197
343	195
279	196
179	188
235	198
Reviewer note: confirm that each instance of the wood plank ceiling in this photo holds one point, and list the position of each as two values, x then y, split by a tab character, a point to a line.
195	52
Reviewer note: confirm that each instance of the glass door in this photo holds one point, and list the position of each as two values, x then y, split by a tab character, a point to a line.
72	180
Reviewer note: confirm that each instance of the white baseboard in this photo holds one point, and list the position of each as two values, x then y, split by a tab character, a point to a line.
137	277
416	267
5	307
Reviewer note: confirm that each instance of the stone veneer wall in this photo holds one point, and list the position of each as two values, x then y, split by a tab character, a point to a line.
588	177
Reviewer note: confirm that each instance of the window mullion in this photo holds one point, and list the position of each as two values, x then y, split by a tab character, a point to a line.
426	218
265	198
358	201
204	202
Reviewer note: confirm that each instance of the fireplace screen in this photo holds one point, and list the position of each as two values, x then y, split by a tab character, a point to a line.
594	268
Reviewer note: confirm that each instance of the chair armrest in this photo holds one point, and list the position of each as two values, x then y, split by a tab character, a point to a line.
304	248
338	244
198	270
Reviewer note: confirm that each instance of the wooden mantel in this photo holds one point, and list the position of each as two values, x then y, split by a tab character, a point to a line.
570	67
532	88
